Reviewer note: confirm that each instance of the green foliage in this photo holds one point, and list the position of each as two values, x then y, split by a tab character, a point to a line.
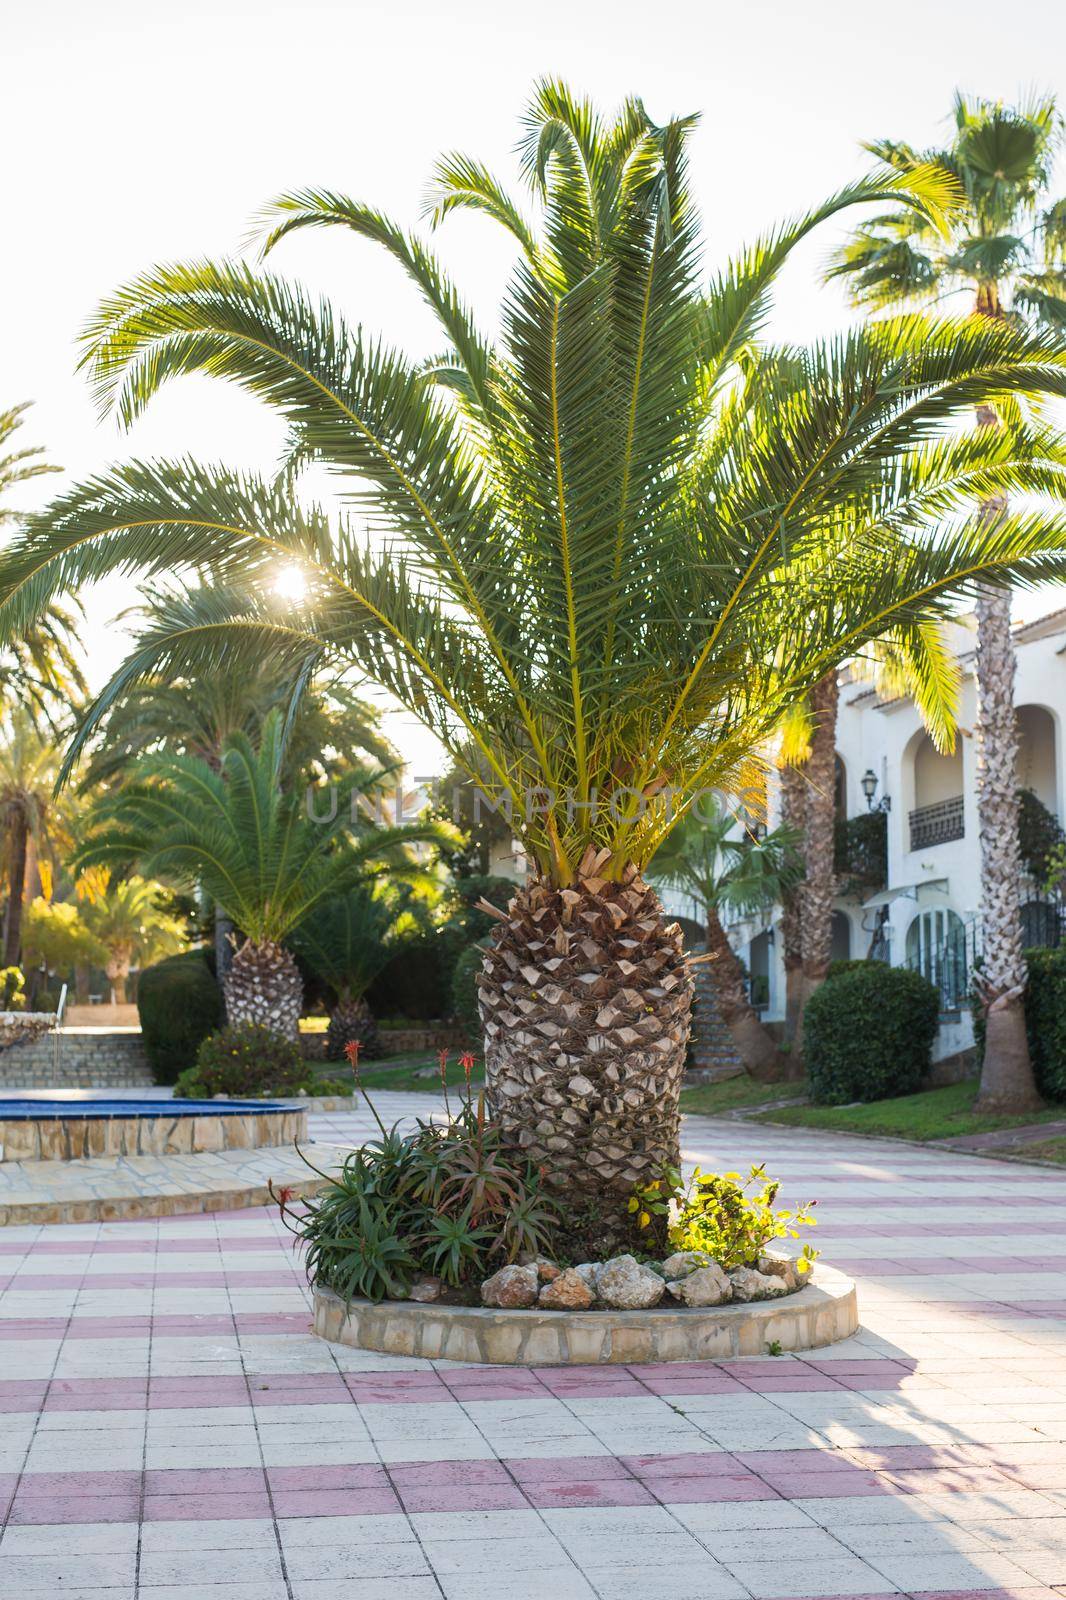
415	982
12	985
715	1214
444	1199
860	853
55	934
347	940
179	1004
603	554
868	1033
727	872
243	1061
464	991
1045	1020
1040	837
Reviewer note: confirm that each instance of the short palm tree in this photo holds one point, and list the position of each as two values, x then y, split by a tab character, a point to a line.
347	941
725	871
132	926
1006	249
253	848
573	547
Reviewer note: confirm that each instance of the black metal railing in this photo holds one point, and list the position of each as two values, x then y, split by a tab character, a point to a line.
937	824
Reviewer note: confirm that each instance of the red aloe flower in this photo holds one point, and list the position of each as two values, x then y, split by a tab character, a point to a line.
466	1061
442	1062
351	1050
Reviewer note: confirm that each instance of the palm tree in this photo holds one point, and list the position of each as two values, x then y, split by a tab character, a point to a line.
1006	249
39	668
253	848
132	927
574	542
347	941
723	874
28	816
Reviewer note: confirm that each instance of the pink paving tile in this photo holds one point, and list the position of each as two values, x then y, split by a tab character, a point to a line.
589	1492
98	1485
789	1382
690	1490
691	1464
715	1383
335	1503
828	1485
424	1474
356	1475
769	1462
44	1510
462	1497
559	1469
203	1508
203	1480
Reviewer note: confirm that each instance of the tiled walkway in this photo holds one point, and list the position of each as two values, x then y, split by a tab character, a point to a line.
170	1430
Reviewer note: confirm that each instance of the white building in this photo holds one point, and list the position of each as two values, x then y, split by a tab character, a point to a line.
927	914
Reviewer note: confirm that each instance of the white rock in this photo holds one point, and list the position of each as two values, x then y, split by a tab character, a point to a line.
625	1285
707	1286
512	1288
782	1267
590	1271
751	1285
684	1262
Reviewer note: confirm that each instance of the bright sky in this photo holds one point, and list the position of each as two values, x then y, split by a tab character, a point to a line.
138	131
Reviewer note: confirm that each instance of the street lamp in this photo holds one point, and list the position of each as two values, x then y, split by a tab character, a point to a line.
868	784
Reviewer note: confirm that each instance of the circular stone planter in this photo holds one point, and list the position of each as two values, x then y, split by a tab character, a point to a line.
70	1130
818	1314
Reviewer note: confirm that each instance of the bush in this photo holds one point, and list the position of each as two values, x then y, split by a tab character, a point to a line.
1045	1020
868	1034
179	1004
12	985
444	1199
715	1215
243	1061
464	992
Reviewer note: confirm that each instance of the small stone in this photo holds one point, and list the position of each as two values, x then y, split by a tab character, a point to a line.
590	1272
425	1288
782	1267
568	1292
547	1271
512	1288
707	1286
627	1286
751	1285
683	1262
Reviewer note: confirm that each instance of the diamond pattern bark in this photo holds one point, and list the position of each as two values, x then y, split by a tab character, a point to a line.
264	985
585	999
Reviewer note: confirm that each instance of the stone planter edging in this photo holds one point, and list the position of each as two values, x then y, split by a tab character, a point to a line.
819	1314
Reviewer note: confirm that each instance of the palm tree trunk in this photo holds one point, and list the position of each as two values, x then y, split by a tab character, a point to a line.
350	1020
818	890
585	1000
1007	1082
263	985
760	1055
793	815
16	885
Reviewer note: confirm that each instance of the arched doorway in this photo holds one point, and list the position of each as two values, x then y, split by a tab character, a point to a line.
936	947
759	957
840	948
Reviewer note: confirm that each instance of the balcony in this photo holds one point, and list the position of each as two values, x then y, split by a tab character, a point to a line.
937	824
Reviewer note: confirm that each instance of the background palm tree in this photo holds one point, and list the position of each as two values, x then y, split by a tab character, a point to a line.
1005	248
575	541
347	941
253	848
39	666
725	872
29	818
132	927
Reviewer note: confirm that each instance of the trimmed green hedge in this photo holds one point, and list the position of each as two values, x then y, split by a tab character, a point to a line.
1045	1020
464	992
868	1033
179	1005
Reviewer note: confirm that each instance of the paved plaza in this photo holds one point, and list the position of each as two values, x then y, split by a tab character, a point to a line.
170	1429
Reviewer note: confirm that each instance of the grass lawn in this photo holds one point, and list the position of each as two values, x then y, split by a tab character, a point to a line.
407	1072
711	1099
934	1114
